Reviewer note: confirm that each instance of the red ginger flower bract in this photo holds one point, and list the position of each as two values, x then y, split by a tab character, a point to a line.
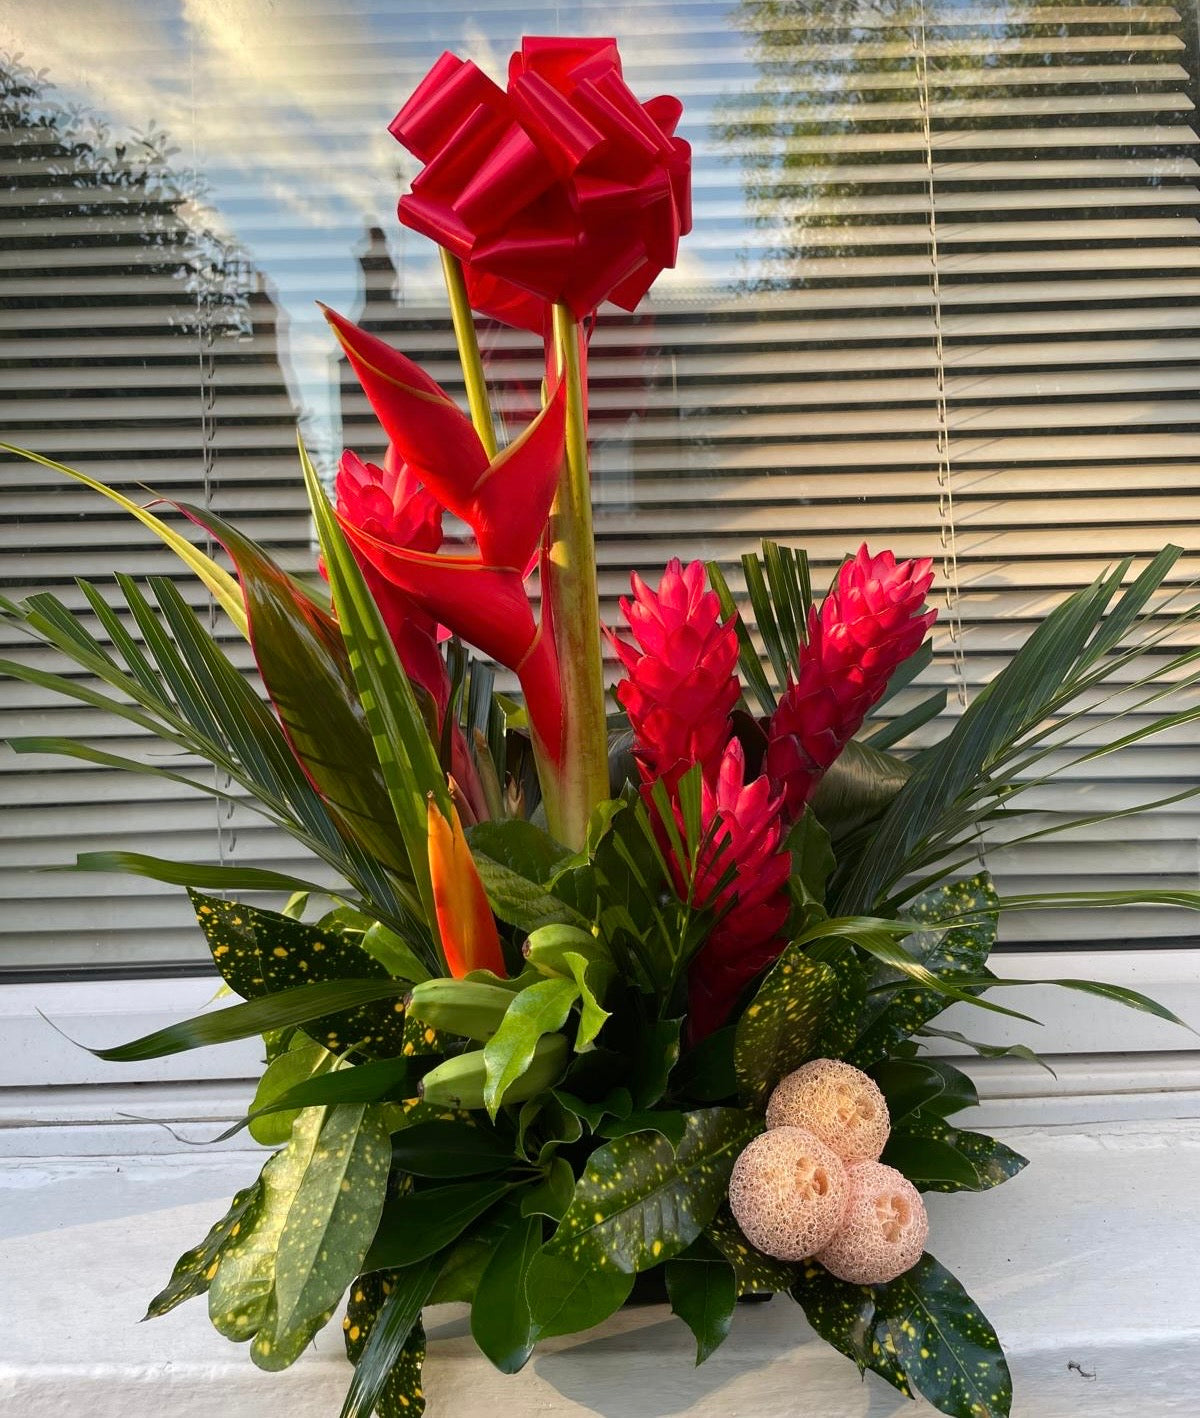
682	683
561	187
747	835
868	625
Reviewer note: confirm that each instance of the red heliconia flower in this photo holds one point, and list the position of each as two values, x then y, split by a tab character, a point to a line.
682	681
868	625
505	501
747	836
561	187
390	505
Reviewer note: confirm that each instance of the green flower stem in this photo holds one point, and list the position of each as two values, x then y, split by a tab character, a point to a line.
468	351
579	779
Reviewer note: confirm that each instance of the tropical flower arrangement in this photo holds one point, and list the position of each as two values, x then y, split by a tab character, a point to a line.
603	995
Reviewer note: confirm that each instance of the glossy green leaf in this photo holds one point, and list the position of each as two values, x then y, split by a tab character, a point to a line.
243	1021
946	1346
896	1008
520	902
329	1226
568	1294
754	1272
394	953
937	1157
987	1051
702	1289
616	1103
269	1125
654	1054
667	1123
553	1194
706	1072
450	1149
389	1362
422	1223
375	1081
544	1124
783	1022
520	846
194	1269
403	749
540	1009
467	1258
812	861
501	1322
401	1395
239	1296
592	978
857	788
852	1320
641	1201
912	1084
263	953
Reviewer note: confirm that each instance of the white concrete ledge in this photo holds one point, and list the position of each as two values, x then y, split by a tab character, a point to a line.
1087	1259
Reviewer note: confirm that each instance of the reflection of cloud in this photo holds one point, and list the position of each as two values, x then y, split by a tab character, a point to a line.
281	109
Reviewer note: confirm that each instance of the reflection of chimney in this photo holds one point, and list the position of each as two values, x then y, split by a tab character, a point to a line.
380	281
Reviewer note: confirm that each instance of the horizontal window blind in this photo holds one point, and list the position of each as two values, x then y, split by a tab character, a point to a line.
943	293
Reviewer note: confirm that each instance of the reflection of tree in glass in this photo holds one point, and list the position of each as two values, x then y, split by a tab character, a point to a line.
832	138
83	188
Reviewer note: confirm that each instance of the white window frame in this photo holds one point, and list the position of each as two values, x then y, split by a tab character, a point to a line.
1110	1062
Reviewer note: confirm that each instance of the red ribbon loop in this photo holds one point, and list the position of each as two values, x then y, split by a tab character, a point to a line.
562	187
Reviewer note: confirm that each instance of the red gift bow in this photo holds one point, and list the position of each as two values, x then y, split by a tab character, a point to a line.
562	188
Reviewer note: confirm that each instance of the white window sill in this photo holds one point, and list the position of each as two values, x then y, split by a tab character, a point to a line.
1085	1259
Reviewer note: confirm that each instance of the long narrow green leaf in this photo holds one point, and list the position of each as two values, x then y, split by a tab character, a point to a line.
130	651
878	937
85	694
223	587
892	731
243	740
405	752
306	666
1117	994
1126	611
85	753
374	1081
778	649
1014	700
203	875
749	660
257	1016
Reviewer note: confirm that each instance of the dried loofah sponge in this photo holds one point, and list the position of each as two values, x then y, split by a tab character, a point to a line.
788	1192
838	1103
884	1229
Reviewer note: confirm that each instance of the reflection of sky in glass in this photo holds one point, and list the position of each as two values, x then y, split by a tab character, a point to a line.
280	109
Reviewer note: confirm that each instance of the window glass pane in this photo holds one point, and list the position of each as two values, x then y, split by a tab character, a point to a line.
943	293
